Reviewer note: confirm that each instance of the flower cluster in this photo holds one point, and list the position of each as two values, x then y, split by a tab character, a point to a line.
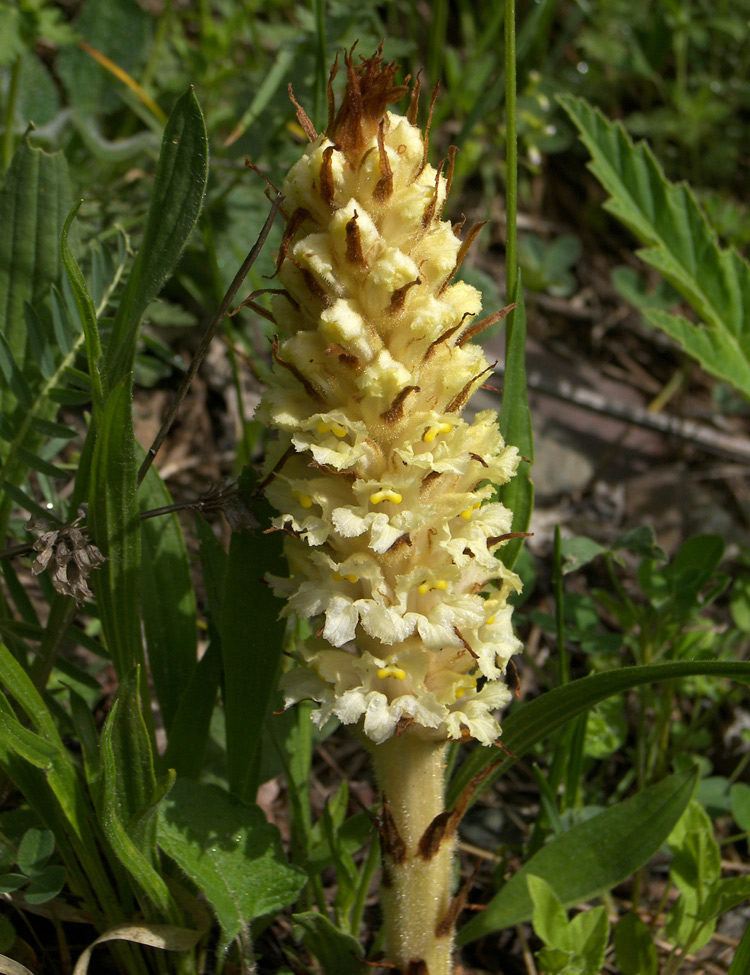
385	489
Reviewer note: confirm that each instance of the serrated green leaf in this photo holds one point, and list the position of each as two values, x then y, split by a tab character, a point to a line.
179	189
167	598
229	851
115	528
534	721
681	245
515	426
591	857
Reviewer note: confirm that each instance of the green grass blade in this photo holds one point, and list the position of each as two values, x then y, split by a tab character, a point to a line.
115	528
515	425
179	188
167	598
592	856
533	722
680	244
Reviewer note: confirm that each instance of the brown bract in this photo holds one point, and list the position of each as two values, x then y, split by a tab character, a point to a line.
370	89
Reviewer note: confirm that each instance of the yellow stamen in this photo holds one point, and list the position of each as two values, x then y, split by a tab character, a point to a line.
335	428
433	431
304	499
349	578
379	496
460	691
440	584
397	672
490	621
470	511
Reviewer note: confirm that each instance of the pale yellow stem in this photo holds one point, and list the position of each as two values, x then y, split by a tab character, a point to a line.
417	876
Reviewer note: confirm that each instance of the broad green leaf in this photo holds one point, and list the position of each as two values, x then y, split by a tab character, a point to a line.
696	861
590	934
34	202
179	188
115	528
591	857
634	947
335	950
35	848
46	885
739	797
251	644
229	851
167	598
515	426
680	244
548	916
534	721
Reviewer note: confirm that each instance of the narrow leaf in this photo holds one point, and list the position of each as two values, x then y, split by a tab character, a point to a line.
168	599
591	857
536	720
138	864
251	644
179	189
115	528
515	425
86	312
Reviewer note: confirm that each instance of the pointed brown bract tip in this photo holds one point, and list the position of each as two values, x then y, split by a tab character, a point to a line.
370	89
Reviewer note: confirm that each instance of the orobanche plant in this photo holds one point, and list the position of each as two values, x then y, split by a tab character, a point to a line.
385	489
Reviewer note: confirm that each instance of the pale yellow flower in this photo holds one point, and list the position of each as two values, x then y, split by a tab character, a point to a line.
385	490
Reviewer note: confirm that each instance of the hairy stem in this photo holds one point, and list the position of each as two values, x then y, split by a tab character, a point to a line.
417	859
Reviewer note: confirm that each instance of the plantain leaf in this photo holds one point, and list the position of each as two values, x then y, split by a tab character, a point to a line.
680	244
168	599
114	524
33	204
179	188
531	723
515	425
592	856
134	850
